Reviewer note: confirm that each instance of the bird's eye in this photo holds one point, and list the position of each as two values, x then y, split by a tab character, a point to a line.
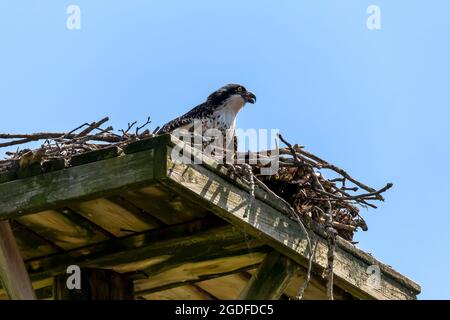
239	89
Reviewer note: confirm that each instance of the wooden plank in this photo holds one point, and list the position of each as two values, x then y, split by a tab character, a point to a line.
84	182
192	272
224	288
147	143
13	274
187	292
96	155
30	244
124	203
170	248
31	170
204	277
53	165
9	175
162	203
61	229
266	223
316	290
271	278
113	217
43	290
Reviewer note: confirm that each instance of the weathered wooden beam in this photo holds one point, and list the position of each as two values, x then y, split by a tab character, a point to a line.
13	274
264	222
164	204
271	279
31	244
316	290
175	273
198	248
227	287
95	284
198	278
170	257
43	290
187	292
84	182
65	229
112	217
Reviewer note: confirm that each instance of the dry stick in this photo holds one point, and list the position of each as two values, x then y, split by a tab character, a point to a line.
144	125
92	126
25	138
331	240
156	129
16	142
373	194
309	163
79	140
38	135
336	169
359	196
247	171
341	226
43	136
77	128
294	214
322	164
354	189
359	202
331	232
130	125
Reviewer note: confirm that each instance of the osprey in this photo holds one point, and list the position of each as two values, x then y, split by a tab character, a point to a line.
219	112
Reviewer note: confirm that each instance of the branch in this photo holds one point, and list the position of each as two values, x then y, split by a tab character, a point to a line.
92	126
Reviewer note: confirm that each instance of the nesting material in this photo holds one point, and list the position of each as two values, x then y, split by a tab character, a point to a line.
300	181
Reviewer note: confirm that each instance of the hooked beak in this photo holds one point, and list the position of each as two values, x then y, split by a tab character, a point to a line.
249	97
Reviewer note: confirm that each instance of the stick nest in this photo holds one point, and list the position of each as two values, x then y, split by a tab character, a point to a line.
299	182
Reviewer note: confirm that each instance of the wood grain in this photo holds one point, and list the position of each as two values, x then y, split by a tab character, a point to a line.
271	279
266	223
113	217
13	274
84	182
61	229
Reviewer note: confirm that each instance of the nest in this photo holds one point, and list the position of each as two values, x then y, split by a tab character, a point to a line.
300	180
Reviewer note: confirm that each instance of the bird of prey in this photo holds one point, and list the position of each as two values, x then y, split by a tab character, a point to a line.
219	112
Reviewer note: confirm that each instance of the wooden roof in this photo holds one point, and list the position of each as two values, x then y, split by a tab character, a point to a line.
179	231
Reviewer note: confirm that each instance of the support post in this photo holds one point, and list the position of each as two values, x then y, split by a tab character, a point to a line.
13	273
96	284
271	278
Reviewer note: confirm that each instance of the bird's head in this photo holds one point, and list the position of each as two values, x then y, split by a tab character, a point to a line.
232	92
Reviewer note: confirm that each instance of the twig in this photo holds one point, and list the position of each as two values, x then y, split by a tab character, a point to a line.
293	214
130	125
144	125
331	232
92	126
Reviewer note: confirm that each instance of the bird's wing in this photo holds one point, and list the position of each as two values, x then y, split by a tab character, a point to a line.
199	112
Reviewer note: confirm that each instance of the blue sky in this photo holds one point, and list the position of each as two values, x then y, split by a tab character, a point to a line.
376	102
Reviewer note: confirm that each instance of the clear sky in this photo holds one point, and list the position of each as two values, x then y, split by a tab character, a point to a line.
376	102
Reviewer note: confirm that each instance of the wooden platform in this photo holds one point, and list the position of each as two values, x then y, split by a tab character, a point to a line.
178	231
